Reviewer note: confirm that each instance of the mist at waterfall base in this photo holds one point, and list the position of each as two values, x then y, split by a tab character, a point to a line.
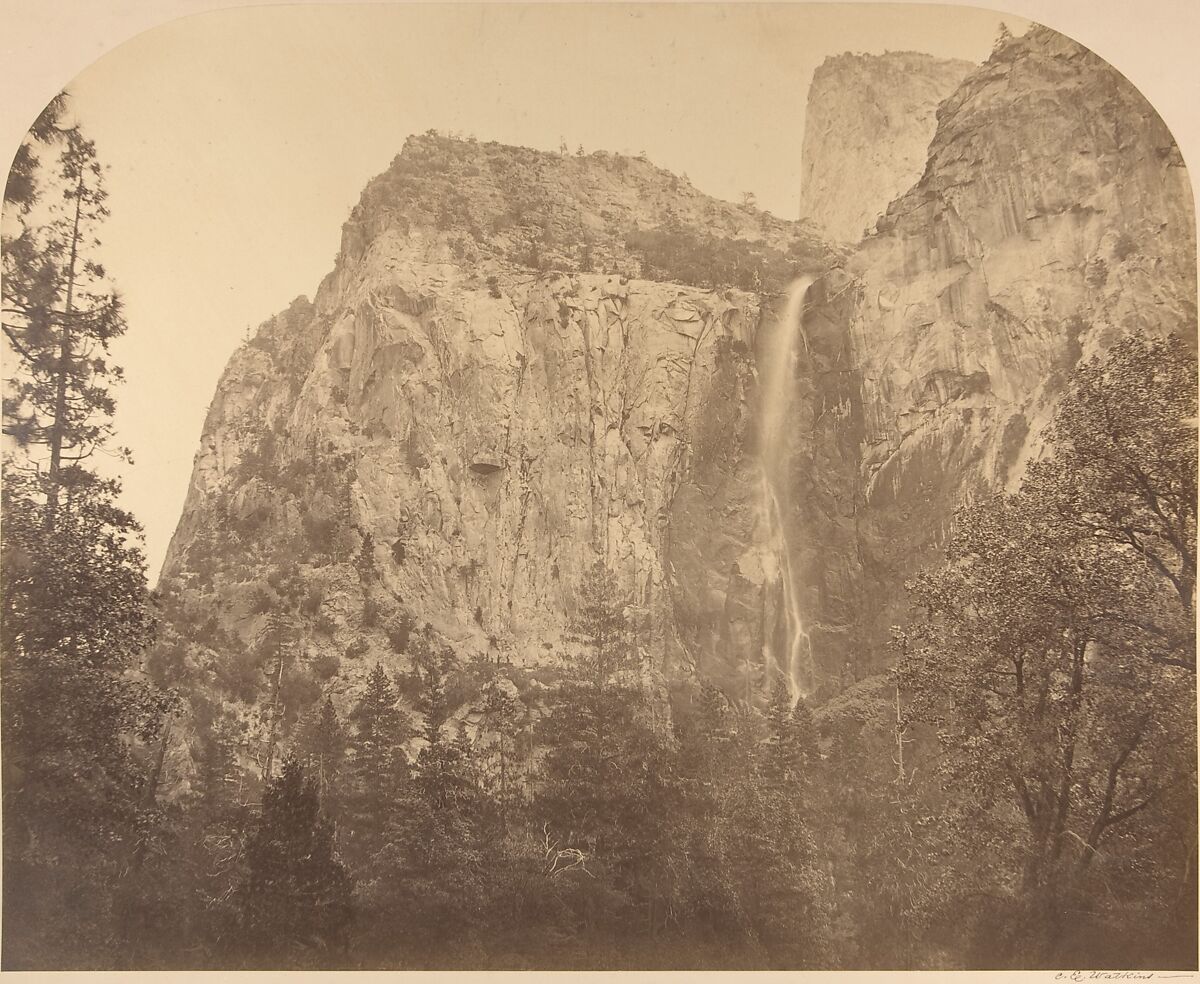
787	648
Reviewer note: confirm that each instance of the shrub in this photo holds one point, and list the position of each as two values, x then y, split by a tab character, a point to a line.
370	613
683	255
326	664
399	630
261	600
240	675
313	599
319	530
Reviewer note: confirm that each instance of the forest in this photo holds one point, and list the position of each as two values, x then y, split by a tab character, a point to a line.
1018	790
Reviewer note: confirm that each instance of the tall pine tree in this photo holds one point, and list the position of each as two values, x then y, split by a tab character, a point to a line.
60	311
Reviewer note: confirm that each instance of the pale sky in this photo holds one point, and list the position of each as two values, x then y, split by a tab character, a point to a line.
239	140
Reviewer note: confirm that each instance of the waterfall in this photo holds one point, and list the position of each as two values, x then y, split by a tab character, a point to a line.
777	376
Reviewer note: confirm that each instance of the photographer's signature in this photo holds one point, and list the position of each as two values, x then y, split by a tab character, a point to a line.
1120	975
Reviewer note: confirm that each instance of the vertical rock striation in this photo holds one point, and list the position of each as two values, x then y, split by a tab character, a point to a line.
1053	217
866	134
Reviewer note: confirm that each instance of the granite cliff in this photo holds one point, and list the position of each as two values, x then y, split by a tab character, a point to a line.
523	363
866	134
1054	216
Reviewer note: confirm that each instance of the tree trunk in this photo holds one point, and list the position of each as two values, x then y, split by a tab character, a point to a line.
59	424
273	733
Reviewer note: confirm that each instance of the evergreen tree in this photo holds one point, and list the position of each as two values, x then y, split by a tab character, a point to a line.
78	792
323	748
378	767
443	771
60	311
276	645
608	783
365	562
503	713
430	866
593	716
380	727
296	900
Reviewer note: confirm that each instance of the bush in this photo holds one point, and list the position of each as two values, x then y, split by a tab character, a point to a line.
370	613
313	600
320	532
261	600
685	256
326	664
240	675
398	630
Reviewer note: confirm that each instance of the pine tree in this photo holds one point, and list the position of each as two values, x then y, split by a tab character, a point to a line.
378	766
791	751
443	770
431	668
60	314
323	747
379	725
78	804
503	713
296	900
276	643
593	713
608	786
433	845
367	571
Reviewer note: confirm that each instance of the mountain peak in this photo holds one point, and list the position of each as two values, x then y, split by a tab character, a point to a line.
866	134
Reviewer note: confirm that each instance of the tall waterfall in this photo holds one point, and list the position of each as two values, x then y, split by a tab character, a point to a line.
793	659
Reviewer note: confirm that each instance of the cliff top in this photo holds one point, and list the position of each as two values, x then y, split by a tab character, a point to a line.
855	61
601	212
870	117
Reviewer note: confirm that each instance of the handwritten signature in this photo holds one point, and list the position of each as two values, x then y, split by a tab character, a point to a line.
1118	975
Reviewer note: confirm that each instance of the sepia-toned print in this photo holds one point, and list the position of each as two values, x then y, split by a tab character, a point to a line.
724	497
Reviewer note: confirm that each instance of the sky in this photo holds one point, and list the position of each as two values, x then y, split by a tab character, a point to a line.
237	142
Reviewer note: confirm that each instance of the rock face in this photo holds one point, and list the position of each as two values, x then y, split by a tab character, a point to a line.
518	367
866	134
1053	217
522	364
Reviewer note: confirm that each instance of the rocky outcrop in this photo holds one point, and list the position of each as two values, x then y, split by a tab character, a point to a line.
866	134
